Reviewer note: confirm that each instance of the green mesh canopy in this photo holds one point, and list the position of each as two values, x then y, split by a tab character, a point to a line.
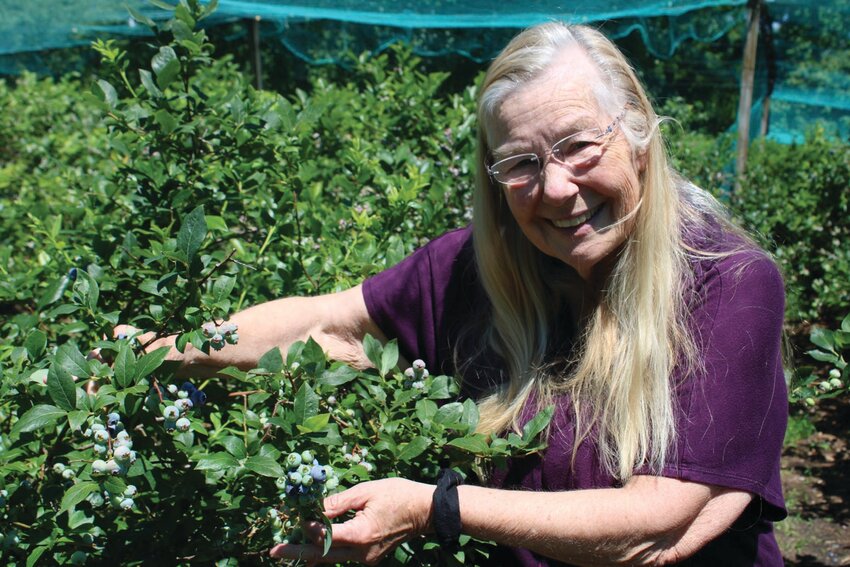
803	74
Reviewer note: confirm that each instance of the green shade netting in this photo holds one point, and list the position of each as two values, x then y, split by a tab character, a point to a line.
804	54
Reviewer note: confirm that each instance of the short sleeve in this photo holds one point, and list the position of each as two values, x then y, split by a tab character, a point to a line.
733	407
420	300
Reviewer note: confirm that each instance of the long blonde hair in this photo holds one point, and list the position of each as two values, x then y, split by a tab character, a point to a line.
635	331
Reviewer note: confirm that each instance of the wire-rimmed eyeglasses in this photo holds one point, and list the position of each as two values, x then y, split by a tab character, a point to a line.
576	150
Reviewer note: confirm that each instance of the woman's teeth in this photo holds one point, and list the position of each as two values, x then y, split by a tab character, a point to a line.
570	223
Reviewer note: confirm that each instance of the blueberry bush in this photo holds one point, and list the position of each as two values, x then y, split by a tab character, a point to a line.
189	196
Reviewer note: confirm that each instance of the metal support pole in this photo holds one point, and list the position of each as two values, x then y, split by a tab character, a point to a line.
746	100
258	63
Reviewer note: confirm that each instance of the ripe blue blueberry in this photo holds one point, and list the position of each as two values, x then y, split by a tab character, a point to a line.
72	274
113	418
318	473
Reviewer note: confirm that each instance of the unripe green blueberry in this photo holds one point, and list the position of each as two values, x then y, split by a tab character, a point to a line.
329	471
295	478
182	394
355	458
232	338
183	424
127	504
79	558
332	483
836	383
306	480
349	412
130	491
101	437
304	470
306	457
280	483
97	427
99	467
217	341
96	499
331	400
825	386
69	474
58	468
835	373
810	401
293	460
100	449
171	413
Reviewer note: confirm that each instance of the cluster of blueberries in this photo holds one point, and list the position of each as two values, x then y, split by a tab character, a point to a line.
306	480
123	501
113	446
188	398
305	483
415	375
219	335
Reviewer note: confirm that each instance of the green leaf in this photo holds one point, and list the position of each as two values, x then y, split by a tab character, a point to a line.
823	338
439	389
476	444
125	366
223	286
72	361
271	361
110	96
54	292
87	289
141	18
449	414
165	65
235	446
845	324
537	424
265	466
35	344
149	84
166	121
413	449
216	462
36	418
35	555
425	411
470	415
150	362
77	418
389	357
337	375
61	387
823	356
373	349
163	5
326	546
192	234
77	494
306	404
314	424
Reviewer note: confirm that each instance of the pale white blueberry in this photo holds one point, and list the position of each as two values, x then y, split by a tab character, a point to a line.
331	400
96	499
835	373
182	394
69	474
122	453
208	329
171	413
130	491
367	466
101	437
99	467
183	424
113	467
98	427
419	364
172	389
836	383
183	404
100	449
58	468
127	504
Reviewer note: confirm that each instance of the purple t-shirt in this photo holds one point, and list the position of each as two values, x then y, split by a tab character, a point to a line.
731	416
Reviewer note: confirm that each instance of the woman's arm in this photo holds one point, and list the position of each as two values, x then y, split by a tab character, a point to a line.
650	521
337	321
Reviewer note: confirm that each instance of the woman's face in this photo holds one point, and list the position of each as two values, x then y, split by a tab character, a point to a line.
568	212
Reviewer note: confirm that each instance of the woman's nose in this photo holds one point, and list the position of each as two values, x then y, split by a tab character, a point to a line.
559	183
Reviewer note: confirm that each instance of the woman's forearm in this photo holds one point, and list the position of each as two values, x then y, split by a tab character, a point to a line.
337	322
652	521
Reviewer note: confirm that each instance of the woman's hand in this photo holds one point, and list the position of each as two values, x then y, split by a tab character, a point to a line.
387	513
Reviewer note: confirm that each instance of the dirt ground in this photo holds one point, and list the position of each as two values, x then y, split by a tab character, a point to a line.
816	481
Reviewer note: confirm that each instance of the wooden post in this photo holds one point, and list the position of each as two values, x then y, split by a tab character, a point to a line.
258	64
748	72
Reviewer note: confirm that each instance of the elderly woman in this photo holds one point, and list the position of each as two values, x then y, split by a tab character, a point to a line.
595	279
